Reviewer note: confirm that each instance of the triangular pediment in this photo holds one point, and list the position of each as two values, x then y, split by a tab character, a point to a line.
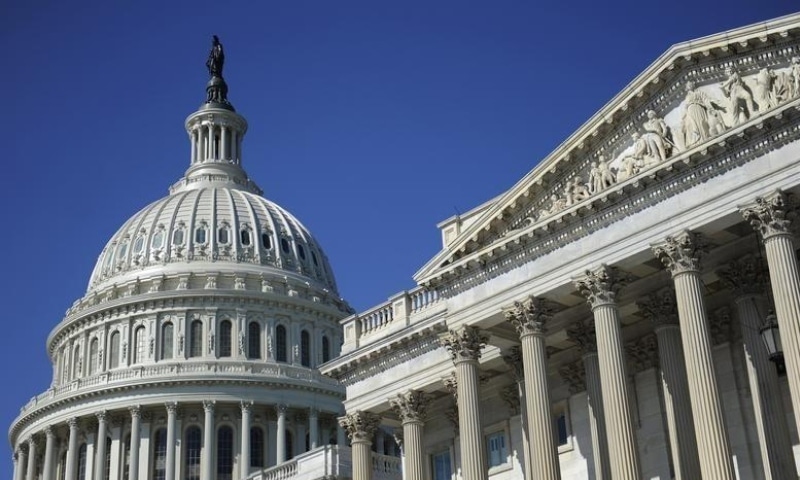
698	96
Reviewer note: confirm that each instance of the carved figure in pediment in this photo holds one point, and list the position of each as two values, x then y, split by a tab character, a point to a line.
765	79
657	137
740	98
795	77
556	205
576	191
700	119
600	176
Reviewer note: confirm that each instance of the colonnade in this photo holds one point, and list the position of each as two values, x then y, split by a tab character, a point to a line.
86	458
211	142
700	446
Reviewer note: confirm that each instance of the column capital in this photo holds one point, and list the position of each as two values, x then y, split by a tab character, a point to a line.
313	412
772	214
451	385
602	285
743	276
642	353
101	416
208	406
72	423
281	409
466	344
410	406
360	425
22	448
33	441
513	359
246	406
681	253
136	411
50	432
582	333
172	407
661	308
529	316
575	375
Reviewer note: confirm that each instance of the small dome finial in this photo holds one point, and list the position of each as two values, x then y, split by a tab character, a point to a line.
216	89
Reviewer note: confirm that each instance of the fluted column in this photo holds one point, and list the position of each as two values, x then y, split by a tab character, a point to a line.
529	318
583	334
245	438
136	425
30	471
774	217
313	427
20	459
681	256
360	427
100	449
516	399
745	278
223	143
662	310
411	408
465	349
209	434
600	287
72	452
172	414
280	447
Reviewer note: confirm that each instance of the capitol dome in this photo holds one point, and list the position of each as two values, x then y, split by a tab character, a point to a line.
194	352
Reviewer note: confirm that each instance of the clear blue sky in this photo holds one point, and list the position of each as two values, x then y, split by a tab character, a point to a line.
370	121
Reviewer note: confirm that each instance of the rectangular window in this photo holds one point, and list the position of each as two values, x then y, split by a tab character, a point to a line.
562	434
442	466
497	450
562	427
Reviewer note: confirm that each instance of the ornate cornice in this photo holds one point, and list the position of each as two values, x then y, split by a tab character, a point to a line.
772	215
465	344
681	253
410	406
661	307
601	286
743	276
360	425
529	316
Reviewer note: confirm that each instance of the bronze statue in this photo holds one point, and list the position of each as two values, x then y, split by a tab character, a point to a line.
216	89
216	58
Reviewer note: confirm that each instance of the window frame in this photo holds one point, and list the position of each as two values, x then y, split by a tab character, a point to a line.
494	430
225	339
435	452
556	410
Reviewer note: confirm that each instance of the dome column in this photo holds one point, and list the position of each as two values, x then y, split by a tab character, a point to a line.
20	459
172	414
280	444
208	440
30	471
245	439
313	427
100	457
72	452
360	428
136	420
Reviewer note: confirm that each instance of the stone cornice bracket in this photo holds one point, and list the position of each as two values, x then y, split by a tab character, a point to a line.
513	359
582	333
465	345
681	253
411	406
575	375
601	286
529	316
360	425
642	353
743	276
771	215
661	308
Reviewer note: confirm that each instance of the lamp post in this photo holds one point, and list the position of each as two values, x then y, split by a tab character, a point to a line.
772	340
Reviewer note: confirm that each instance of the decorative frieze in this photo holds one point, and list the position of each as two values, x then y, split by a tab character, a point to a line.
681	253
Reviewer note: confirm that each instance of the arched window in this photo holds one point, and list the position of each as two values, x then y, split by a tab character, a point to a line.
266	240
245	237
256	447
223	235
113	351
285	245
280	343
196	339
82	461
254	340
167	341
289	445
301	251
139	344
200	235
193	444
93	357
76	362
126	458
225	453
326	349
305	348
160	455
225	339
177	236
158	239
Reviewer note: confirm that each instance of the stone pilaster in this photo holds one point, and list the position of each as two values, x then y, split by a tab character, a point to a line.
172	418
100	456
136	425
744	277
661	309
246	408
360	427
529	318
411	408
600	287
465	348
583	334
774	218
681	256
30	471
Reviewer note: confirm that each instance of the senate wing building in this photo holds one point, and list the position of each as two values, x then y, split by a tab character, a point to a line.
629	309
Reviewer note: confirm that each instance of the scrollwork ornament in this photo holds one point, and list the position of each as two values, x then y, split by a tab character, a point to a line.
465	345
771	215
743	276
360	425
661	307
410	406
681	253
601	286
529	316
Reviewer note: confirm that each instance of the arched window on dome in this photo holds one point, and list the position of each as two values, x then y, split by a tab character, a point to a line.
266	240
244	237
93	353
253	340
326	349
113	351
194	442
160	454
138	244
158	239
305	348
301	251
256	447
167	341
223	234
178	237
139	341
225	335
280	343
196	339
76	362
314	259
122	250
200	234
108	262
224	453
285	245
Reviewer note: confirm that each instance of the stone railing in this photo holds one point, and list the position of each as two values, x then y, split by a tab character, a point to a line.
329	461
398	312
185	370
